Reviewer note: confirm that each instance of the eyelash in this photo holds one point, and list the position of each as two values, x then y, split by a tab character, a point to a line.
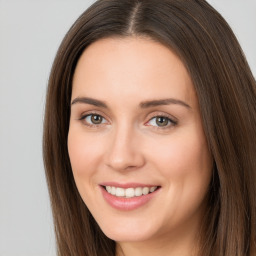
171	122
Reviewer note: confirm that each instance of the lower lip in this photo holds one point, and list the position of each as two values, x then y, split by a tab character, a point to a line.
127	204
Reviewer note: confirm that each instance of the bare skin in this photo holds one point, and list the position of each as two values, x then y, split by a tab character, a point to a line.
117	134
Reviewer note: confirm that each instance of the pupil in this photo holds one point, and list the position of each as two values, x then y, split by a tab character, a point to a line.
96	119
162	121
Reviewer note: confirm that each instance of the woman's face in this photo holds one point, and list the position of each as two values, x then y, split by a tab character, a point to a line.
136	143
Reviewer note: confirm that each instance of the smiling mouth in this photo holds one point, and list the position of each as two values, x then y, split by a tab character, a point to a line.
130	192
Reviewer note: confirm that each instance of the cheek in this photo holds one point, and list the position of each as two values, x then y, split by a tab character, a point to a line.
84	153
186	164
183	154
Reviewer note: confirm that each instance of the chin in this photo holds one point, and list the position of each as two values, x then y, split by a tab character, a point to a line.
129	232
127	236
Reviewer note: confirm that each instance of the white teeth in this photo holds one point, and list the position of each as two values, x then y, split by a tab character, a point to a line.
138	191
120	192
152	189
113	190
129	192
145	191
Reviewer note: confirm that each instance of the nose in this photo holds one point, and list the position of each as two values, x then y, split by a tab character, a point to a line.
125	150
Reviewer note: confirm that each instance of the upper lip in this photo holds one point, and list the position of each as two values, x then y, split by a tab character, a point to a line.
127	185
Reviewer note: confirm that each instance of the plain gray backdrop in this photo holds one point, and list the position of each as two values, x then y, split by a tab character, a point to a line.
30	33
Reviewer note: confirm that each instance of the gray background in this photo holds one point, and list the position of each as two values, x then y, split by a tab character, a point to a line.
30	33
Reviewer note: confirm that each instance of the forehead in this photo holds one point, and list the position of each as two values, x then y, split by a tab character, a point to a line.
131	67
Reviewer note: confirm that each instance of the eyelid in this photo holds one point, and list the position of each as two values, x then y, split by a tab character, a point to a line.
160	113
92	112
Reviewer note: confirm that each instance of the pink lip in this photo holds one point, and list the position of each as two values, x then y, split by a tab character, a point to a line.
127	204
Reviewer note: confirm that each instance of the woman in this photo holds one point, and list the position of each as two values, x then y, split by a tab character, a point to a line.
149	136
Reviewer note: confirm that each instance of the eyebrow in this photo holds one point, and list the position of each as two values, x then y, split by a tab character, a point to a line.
153	103
144	104
91	101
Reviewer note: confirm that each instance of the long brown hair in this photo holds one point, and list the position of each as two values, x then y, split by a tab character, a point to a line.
226	92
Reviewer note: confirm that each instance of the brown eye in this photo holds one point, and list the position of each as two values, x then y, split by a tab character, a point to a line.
93	119
96	119
162	121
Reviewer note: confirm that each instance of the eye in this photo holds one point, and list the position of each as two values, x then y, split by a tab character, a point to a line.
93	119
162	122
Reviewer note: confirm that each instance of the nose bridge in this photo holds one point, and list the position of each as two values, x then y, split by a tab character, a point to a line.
124	148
